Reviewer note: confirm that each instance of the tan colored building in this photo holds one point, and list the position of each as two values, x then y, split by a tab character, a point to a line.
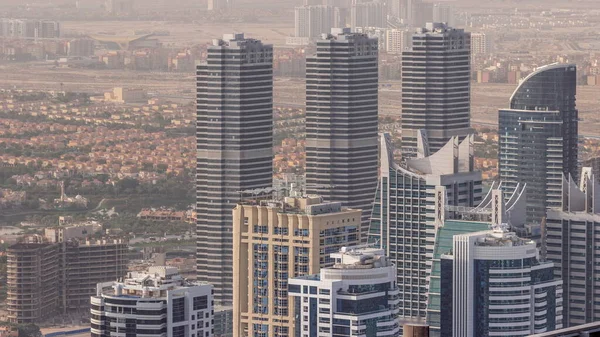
125	96
57	273
277	240
32	282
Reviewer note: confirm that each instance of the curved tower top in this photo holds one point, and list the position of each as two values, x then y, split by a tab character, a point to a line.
539	137
548	88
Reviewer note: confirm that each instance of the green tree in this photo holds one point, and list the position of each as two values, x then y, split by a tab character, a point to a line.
29	330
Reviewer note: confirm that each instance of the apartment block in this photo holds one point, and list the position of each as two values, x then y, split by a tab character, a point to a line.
499	286
159	302
277	240
86	262
571	242
57	273
357	296
33	279
479	44
312	21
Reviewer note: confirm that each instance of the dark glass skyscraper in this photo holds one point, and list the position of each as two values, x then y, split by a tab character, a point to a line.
436	87
538	137
235	144
341	120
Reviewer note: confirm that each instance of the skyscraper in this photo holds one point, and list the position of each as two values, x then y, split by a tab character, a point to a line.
493	211
479	44
341	120
235	144
436	87
368	14
500	287
538	137
571	242
443	13
357	296
404	10
403	217
274	241
397	40
312	21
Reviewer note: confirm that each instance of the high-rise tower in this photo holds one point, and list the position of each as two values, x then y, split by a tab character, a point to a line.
403	217
538	137
341	120
235	144
571	240
368	14
312	21
436	89
496	285
277	240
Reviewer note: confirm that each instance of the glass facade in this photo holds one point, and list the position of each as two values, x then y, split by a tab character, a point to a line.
439	308
538	137
531	152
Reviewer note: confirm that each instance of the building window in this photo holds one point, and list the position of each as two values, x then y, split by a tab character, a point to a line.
179	331
200	303
178	310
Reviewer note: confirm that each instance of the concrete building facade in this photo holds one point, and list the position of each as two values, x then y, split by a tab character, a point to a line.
368	14
357	296
27	28
571	241
584	330
235	147
341	120
157	303
312	21
479	44
397	40
32	282
55	274
277	240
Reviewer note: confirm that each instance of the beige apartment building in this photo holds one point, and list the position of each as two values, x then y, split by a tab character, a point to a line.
277	240
57	273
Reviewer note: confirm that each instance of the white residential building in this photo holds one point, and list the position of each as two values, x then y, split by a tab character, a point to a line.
312	21
397	40
159	302
571	240
358	296
478	44
500	287
368	14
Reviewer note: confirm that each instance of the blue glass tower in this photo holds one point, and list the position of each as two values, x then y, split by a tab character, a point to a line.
538	137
